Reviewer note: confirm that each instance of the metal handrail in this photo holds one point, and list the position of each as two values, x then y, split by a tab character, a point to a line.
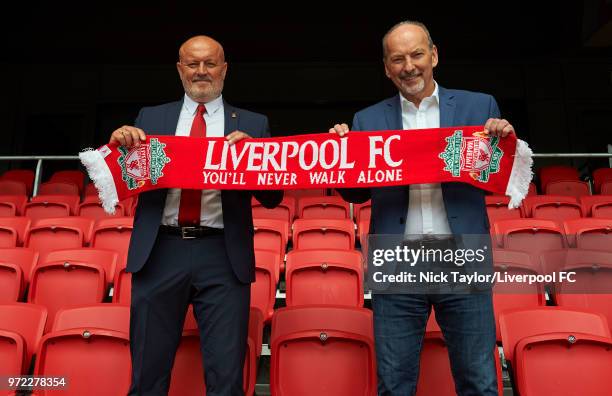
41	158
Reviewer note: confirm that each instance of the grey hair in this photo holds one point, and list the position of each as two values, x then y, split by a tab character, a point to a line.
402	23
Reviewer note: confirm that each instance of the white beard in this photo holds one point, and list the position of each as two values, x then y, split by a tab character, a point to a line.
414	88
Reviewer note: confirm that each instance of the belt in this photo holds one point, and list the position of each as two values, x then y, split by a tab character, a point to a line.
190	232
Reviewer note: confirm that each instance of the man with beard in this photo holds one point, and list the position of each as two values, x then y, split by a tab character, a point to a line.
193	246
430	211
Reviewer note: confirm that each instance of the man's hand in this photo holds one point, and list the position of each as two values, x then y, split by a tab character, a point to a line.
236	136
499	127
128	136
340	129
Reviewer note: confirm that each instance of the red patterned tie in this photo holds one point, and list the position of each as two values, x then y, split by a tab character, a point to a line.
189	209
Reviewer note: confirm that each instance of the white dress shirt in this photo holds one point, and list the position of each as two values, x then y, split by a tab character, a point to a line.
426	212
211	214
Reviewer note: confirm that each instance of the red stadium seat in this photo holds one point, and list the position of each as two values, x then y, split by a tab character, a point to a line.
187	372
497	208
27	320
122	287
597	206
319	277
21	175
310	192
10	187
332	207
48	237
12	205
514	295
322	350
600	176
272	235
572	188
61	285
70	176
263	290
556	211
362	211
589	233
24	257
51	206
13	231
549	347
555	173
102	316
529	202
85	224
90	190
96	361
92	207
12	283
284	211
606	188
435	375
12	356
323	234
114	234
530	235
58	188
7	209
105	258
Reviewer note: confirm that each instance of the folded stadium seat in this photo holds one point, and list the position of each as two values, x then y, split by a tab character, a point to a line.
21	175
592	289
13	229
58	284
435	375
58	188
27	320
600	176
548	348
12	284
514	295
12	357
556	211
529	235
599	206
51	206
272	235
497	208
85	224
102	316
24	257
332	207
46	237
322	350
284	211
606	188
92	207
11	187
263	290
187	372
556	172
572	188
589	233
12	205
362	211
529	202
310	192
324	234
105	258
70	176
113	234
95	362
122	287
320	277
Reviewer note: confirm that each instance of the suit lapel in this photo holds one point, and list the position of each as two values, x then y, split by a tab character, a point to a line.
231	118
171	118
447	108
393	113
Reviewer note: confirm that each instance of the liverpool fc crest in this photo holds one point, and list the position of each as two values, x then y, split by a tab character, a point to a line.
479	155
142	163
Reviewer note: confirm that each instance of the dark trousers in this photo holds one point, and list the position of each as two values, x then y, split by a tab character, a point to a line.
180	272
468	327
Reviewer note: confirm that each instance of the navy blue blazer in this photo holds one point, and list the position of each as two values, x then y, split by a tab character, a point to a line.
236	204
465	205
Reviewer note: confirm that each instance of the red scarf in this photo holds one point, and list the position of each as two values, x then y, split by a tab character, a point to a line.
360	159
